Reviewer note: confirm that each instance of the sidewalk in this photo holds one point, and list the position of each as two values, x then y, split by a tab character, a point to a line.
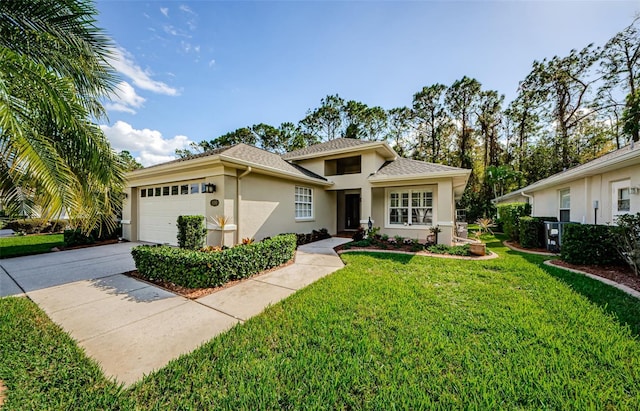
132	328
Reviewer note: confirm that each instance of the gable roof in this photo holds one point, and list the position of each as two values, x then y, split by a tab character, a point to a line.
339	146
624	157
406	167
243	155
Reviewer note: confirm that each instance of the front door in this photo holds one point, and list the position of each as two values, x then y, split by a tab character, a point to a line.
352	211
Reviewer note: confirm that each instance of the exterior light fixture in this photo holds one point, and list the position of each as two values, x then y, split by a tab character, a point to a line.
209	188
370	224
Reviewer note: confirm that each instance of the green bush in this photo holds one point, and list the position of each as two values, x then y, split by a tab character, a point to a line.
75	237
197	269
36	225
627	242
589	244
191	231
510	218
532	231
450	249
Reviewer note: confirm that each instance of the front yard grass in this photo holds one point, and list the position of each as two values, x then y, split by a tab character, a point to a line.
29	244
388	331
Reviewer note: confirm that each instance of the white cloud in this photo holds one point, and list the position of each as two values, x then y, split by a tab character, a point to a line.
124	63
186	9
171	30
125	99
212	63
147	146
165	11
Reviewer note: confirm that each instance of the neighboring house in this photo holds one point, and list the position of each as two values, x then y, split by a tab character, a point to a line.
595	192
336	185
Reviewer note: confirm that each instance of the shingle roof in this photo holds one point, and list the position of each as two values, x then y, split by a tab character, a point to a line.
250	154
336	144
404	166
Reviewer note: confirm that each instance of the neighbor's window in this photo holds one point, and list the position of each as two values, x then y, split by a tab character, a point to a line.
340	166
565	204
624	202
304	202
420	208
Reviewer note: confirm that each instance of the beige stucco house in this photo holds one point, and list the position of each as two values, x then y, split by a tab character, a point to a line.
336	185
594	193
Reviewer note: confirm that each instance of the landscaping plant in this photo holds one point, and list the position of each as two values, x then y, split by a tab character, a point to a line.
627	242
191	232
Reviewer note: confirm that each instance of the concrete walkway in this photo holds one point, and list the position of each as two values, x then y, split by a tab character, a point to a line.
132	328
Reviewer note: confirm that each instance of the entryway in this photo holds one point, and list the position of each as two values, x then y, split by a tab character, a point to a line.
348	212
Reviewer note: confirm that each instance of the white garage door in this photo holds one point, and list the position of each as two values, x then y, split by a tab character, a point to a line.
157	215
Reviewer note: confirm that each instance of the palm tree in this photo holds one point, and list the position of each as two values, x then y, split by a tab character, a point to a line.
53	73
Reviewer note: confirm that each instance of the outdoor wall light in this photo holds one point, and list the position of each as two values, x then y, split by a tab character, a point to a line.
209	188
634	190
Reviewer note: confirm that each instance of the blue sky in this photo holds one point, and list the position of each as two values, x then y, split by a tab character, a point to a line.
194	70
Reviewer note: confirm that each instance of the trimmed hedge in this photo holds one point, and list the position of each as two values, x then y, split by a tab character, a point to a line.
532	231
36	225
75	236
589	244
191	231
510	218
197	269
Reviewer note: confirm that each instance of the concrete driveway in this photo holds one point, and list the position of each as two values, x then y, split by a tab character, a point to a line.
131	327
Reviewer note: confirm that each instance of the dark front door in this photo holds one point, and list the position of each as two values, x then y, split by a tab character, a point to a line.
352	211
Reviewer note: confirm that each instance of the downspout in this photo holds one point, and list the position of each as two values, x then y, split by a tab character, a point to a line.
238	200
531	197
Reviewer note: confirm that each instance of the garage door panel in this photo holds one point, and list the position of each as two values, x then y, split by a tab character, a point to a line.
158	216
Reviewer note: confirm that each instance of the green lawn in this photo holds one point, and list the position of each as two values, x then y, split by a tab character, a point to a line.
386	332
29	244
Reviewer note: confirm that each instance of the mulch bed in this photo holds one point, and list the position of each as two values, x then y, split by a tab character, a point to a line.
3	392
373	247
195	293
96	244
620	274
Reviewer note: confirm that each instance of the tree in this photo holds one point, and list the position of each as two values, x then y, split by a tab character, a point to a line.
399	129
128	161
620	65
53	74
325	122
461	99
433	125
561	84
489	116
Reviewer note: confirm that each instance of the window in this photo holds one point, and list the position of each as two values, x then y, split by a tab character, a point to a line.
143	192
158	191
340	166
174	190
624	202
150	192
420	208
184	189
565	205
304	203
165	191
195	188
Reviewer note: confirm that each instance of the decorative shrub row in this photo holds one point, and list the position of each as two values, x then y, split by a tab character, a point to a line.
302	239
191	231
75	236
532	231
589	244
197	269
36	225
509	215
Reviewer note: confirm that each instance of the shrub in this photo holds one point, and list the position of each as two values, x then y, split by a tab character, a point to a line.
362	243
75	237
196	269
627	242
589	244
191	231
450	249
359	234
510	218
36	225
532	231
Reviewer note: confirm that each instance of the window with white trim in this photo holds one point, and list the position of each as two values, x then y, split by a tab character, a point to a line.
565	205
303	203
621	191
410	207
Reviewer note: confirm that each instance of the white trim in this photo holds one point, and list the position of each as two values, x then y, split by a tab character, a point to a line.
616	186
310	203
125	221
409	189
227	227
